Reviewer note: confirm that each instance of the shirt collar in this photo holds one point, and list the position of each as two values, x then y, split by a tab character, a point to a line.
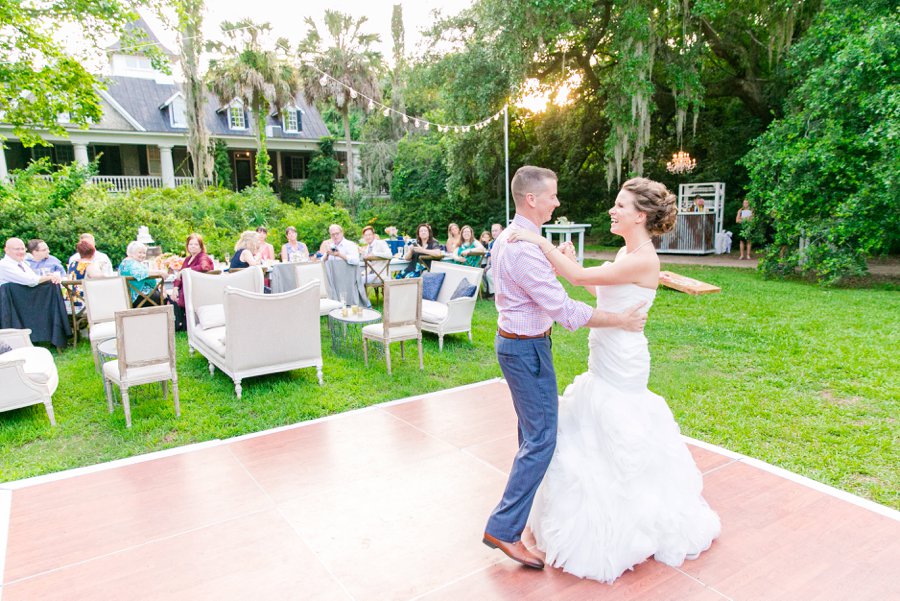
526	223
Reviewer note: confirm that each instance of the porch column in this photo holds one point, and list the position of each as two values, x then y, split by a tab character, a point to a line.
4	173
166	166
277	165
81	153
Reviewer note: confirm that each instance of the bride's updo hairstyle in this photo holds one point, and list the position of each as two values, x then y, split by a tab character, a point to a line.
655	201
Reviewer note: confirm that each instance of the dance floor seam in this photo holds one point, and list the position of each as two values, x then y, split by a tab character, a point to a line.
389	503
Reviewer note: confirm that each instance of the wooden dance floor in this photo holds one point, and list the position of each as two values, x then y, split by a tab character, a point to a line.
390	502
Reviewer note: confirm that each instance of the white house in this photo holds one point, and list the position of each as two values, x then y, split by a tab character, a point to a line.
141	138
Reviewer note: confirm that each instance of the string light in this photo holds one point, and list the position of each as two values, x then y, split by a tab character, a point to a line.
417	122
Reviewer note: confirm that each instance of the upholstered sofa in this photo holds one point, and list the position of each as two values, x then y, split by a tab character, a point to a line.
446	315
28	373
246	333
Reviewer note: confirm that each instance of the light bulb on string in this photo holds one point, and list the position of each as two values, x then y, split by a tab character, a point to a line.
387	112
416	122
323	81
353	94
426	126
371	104
405	119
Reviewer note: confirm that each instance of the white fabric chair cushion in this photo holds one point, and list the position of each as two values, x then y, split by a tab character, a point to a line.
152	373
377	330
326	306
433	311
103	331
211	316
214	338
39	365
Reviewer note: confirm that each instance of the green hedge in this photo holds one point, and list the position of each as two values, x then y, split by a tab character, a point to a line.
60	209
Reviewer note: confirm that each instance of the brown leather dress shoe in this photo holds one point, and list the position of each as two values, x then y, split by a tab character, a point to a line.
516	551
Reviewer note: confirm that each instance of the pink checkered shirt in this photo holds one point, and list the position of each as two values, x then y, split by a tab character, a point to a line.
529	298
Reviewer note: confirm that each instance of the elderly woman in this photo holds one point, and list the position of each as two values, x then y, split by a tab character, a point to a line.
41	261
245	251
144	278
197	260
293	251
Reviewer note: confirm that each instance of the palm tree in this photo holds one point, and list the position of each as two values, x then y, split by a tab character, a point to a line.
352	67
263	79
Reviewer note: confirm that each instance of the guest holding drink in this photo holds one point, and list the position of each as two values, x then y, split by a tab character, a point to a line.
197	260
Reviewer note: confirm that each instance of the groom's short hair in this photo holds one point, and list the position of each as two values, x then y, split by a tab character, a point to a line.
527	179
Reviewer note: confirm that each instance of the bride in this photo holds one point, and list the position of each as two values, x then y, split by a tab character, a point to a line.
622	485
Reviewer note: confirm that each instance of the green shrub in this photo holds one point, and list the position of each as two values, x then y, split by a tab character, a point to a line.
36	208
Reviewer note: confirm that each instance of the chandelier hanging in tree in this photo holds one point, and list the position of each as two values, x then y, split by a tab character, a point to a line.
681	163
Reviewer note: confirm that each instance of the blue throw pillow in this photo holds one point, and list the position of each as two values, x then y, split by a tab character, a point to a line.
4	348
431	285
464	288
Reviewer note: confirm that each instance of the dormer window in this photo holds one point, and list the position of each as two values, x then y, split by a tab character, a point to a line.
292	120
236	117
178	112
138	63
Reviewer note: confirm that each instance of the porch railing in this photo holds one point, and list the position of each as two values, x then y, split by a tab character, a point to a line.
124	183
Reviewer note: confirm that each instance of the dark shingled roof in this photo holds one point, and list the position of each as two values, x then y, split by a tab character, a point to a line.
141	98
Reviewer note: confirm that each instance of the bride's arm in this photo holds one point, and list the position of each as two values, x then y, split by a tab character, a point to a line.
604	275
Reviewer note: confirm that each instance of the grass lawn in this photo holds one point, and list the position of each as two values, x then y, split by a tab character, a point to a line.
799	376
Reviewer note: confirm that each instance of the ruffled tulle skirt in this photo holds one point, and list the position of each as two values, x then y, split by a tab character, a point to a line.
622	485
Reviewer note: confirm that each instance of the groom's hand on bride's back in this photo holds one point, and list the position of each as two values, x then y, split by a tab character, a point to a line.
634	319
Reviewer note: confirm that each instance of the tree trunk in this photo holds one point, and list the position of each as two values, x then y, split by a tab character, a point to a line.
190	15
351	168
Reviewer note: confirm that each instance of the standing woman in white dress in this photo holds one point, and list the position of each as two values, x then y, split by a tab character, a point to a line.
622	485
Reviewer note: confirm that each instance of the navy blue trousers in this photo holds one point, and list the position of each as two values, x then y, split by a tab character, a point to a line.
527	366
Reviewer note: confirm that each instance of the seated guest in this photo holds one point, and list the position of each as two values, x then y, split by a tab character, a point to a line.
470	250
102	261
85	265
496	230
452	238
294	251
197	260
339	248
373	249
41	261
485	238
14	269
144	278
245	251
422	250
266	251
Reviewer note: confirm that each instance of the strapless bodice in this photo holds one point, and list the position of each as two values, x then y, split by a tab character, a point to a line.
618	357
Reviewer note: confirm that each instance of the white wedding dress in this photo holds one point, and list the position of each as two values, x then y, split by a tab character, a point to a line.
622	485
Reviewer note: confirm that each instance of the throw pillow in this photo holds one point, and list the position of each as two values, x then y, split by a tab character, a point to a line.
464	288
431	285
211	316
4	348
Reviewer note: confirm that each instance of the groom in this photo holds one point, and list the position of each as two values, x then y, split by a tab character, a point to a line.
529	299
